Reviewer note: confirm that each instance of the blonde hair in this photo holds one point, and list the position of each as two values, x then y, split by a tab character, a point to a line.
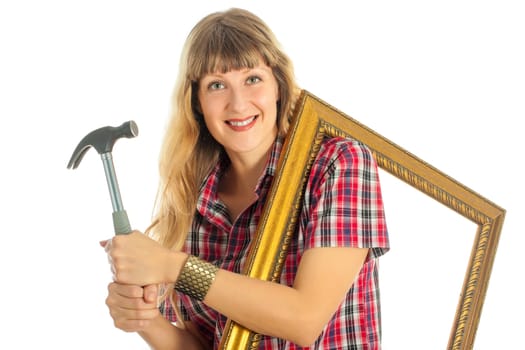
220	42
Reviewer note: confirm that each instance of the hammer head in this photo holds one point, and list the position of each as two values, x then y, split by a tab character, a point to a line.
102	140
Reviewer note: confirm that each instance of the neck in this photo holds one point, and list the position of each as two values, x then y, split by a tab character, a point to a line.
244	172
247	167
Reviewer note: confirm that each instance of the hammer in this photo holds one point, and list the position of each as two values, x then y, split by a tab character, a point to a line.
102	140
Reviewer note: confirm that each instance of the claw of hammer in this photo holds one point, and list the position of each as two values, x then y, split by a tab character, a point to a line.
102	140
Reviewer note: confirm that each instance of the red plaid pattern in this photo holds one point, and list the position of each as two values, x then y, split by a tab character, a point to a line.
342	207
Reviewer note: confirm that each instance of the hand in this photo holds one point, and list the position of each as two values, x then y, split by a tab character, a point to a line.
137	259
132	307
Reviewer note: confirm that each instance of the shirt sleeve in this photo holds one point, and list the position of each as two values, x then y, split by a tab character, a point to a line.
343	202
167	310
167	307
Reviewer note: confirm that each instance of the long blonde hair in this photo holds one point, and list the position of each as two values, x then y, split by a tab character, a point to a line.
221	41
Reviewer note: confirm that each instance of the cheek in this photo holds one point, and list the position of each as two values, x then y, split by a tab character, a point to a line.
199	103
211	121
207	108
270	100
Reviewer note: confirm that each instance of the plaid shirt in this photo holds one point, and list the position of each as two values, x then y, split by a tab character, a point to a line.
342	207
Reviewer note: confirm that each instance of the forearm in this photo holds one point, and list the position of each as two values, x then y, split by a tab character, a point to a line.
264	307
162	334
298	313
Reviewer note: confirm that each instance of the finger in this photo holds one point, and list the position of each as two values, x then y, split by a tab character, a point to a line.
150	293
126	290
130	307
107	245
131	325
130	318
113	272
127	298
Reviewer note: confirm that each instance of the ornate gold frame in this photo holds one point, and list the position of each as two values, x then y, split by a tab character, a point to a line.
314	119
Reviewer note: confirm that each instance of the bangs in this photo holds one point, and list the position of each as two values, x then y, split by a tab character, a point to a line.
226	48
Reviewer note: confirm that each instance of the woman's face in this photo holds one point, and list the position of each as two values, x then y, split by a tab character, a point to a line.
240	109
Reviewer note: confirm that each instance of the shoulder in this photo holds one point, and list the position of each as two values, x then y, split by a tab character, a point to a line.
334	150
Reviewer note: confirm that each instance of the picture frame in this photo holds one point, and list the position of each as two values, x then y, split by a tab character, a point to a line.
314	119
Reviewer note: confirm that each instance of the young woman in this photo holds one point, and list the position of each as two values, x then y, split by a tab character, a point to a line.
232	104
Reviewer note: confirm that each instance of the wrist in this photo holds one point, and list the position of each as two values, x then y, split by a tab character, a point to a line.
196	278
176	262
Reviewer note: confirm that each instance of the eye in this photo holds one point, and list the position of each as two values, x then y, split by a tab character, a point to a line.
215	85
254	79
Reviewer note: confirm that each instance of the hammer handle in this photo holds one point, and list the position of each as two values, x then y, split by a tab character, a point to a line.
121	223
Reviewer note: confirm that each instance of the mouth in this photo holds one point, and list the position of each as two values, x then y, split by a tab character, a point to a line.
239	123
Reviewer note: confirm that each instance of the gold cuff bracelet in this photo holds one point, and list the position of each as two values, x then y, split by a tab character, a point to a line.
196	278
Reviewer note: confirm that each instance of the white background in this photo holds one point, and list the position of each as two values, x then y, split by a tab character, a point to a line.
443	79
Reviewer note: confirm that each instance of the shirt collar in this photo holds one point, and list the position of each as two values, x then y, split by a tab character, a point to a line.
271	165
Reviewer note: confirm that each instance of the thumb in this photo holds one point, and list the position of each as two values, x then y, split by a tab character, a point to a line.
150	293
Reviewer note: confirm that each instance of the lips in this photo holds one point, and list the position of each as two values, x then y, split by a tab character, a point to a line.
241	123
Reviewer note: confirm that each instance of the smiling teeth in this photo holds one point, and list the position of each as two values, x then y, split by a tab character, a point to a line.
242	123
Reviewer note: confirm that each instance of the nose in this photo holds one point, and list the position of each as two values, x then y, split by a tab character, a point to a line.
238	99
